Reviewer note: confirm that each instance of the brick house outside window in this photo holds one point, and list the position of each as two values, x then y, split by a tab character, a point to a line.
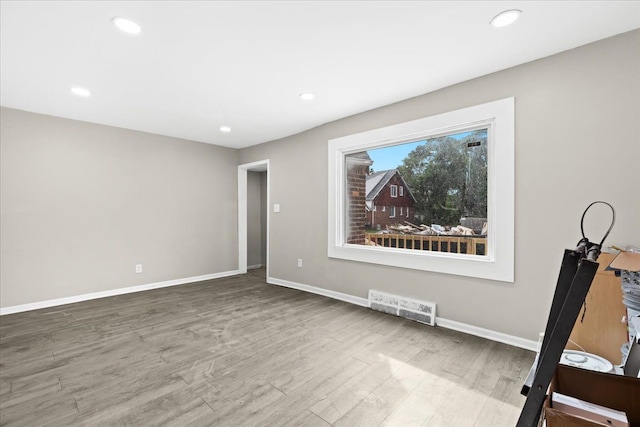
388	200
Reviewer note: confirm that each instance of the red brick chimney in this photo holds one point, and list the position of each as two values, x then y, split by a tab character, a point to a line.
357	168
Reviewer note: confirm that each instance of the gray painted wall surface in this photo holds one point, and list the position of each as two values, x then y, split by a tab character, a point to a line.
263	217
254	218
577	140
82	203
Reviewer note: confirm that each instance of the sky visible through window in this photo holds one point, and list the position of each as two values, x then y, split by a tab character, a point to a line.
391	157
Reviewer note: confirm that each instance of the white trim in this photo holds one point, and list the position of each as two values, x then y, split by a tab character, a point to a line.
243	169
488	334
441	322
498	263
112	292
255	266
319	291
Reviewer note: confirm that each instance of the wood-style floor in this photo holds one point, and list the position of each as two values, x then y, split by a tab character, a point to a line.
240	352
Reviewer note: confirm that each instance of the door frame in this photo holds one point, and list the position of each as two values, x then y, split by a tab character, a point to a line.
258	166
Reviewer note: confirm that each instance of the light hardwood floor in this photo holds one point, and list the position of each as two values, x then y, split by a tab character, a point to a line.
240	352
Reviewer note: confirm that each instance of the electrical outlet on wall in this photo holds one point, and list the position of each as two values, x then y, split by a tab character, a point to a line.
300	262
138	268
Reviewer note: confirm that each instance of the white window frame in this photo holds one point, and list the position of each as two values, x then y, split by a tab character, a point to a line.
400	210
392	211
498	263
393	190
400	190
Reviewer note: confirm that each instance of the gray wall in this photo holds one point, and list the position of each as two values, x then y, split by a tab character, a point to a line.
263	217
577	140
255	226
81	204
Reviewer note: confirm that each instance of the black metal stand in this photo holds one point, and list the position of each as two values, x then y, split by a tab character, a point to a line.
577	272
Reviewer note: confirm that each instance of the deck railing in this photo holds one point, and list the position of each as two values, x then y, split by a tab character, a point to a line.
470	245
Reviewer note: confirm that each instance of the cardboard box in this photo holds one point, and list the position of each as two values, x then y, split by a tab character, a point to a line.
588	410
629	261
557	418
613	391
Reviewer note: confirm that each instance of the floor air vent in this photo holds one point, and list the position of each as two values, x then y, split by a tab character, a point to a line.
420	311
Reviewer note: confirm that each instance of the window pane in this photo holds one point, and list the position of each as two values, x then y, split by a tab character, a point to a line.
442	202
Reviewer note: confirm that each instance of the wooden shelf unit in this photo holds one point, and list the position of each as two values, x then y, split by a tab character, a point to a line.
602	331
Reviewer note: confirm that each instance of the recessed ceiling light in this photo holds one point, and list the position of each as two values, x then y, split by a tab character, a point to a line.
505	18
225	129
126	25
307	96
80	91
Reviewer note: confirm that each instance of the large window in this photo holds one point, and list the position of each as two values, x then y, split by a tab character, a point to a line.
446	180
451	179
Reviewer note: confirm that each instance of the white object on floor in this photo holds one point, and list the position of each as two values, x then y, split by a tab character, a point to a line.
585	360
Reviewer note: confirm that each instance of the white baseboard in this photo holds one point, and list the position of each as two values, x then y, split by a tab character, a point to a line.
488	334
444	323
112	292
320	291
254	267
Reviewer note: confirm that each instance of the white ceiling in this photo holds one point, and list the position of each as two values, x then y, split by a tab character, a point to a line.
199	65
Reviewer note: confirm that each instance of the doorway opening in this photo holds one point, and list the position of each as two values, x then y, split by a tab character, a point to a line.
253	216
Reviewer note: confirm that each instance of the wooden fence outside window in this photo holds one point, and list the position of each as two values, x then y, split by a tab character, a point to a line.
470	245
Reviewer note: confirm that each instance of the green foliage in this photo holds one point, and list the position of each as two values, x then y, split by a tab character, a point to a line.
448	179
